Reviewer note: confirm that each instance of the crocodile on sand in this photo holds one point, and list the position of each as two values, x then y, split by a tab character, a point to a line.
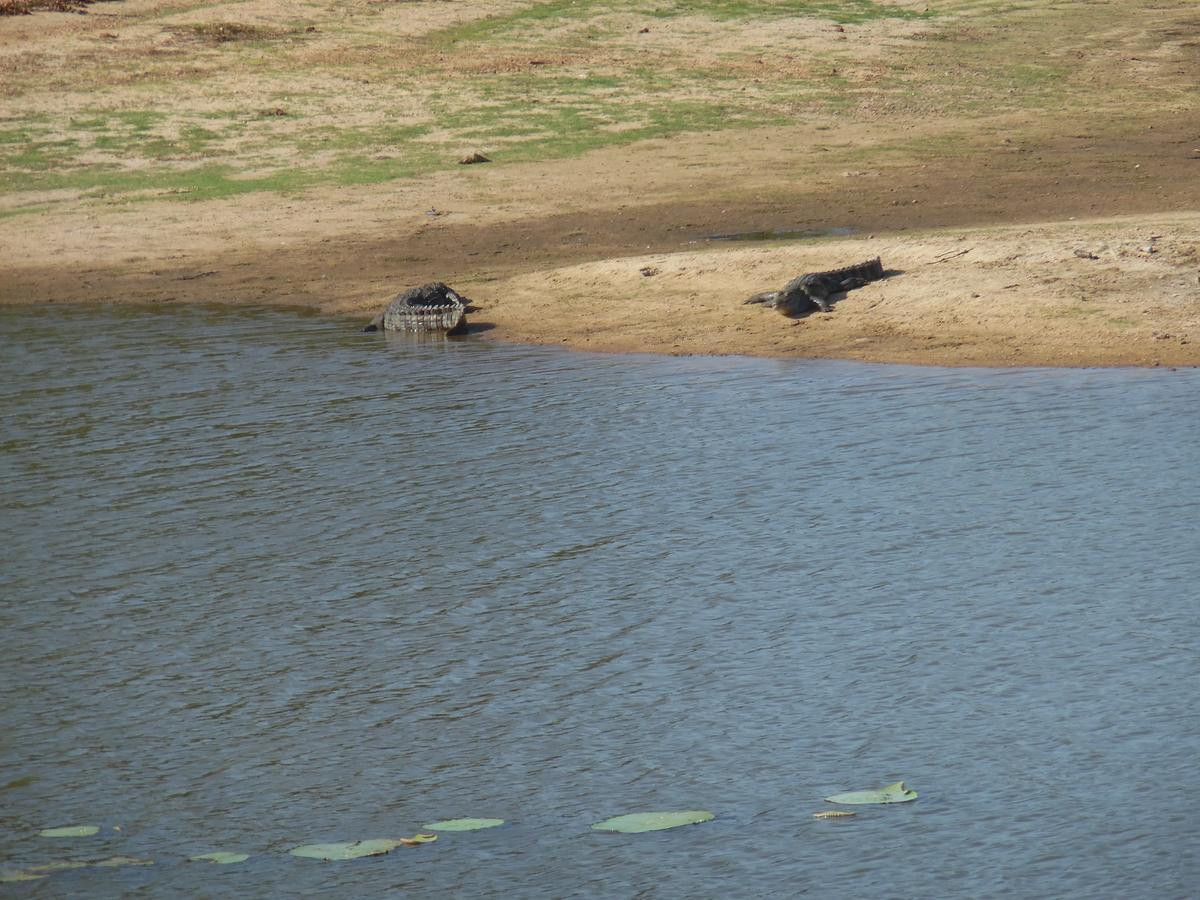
813	291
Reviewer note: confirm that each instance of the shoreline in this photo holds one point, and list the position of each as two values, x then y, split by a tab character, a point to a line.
354	326
994	297
474	332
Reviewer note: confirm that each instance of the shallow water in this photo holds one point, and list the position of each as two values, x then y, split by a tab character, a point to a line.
267	581
785	234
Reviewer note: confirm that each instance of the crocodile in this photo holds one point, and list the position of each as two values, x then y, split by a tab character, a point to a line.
430	307
814	290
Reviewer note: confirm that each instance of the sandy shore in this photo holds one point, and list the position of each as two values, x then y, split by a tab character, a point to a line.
1014	296
1101	292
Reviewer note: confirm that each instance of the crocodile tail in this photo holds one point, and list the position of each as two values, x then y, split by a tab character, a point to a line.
871	270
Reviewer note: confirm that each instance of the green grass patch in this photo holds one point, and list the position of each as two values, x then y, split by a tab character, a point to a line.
330	138
134	121
565	12
24	210
1030	75
845	12
15	136
122	135
204	183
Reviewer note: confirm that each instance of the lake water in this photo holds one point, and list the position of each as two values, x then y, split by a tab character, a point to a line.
268	581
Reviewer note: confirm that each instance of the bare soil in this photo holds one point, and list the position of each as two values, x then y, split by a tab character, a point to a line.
1016	236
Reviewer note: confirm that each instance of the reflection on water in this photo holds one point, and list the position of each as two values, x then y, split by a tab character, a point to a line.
269	581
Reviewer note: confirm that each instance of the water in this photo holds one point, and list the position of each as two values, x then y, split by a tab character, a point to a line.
267	581
785	234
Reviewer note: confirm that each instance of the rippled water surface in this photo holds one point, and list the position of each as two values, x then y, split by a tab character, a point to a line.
267	581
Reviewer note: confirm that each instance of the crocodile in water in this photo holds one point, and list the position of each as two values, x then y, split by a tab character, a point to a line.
430	307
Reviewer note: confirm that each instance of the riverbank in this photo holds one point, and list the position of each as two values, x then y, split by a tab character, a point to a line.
1109	292
226	158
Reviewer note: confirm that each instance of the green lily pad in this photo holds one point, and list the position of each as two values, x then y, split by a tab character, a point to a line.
636	823
221	858
62	865
464	824
32	873
892	793
29	873
351	850
113	861
71	831
9	876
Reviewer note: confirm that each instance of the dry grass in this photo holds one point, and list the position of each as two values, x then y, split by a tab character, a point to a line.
227	32
25	7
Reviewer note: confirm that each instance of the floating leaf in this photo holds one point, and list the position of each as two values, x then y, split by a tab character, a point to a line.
464	824
113	861
833	814
71	831
352	850
50	868
892	793
418	839
9	876
636	823
221	858
29	873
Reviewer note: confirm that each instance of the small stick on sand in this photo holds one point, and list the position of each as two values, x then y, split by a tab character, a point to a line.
952	254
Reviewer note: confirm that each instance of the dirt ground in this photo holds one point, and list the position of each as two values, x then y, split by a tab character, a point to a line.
1018	236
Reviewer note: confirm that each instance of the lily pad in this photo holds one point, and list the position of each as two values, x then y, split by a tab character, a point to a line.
32	873
464	824
62	865
220	858
29	873
71	831
351	850
9	876
636	823
418	839
892	793
113	861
